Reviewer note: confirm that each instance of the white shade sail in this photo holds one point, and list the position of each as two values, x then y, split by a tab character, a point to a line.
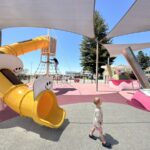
69	15
137	19
116	49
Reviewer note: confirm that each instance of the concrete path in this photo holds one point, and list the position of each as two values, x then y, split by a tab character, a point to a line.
126	127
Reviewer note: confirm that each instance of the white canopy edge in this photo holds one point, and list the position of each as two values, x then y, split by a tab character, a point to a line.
137	19
116	49
68	15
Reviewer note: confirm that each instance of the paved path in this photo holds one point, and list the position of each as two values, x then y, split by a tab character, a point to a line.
126	127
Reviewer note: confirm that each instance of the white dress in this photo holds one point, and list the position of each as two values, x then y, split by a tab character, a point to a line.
98	117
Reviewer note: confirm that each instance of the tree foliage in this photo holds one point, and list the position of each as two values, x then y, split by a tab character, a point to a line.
88	47
143	60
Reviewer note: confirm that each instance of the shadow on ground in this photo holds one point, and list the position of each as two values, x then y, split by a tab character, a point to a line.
61	91
110	139
30	126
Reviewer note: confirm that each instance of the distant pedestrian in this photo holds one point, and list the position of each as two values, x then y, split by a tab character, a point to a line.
98	122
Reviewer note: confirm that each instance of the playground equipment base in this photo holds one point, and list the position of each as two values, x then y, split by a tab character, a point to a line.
124	84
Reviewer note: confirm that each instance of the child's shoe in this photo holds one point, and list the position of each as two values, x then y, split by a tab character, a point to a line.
92	137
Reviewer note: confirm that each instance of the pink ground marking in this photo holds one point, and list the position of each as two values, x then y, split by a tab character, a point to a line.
82	89
81	93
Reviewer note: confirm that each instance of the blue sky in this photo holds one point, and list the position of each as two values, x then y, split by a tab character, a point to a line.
68	44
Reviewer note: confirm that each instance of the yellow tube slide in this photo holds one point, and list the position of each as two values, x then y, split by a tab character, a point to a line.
26	46
44	109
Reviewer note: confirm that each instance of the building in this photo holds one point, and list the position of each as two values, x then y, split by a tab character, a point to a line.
147	72
124	68
72	73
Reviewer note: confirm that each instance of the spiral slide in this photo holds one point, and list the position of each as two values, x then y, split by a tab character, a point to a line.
43	108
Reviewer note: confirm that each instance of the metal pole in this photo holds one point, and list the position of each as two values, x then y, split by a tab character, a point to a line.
47	65
48	56
31	72
83	77
129	55
0	37
108	71
2	106
31	68
97	60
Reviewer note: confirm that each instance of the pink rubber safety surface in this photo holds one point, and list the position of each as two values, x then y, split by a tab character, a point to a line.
6	114
83	93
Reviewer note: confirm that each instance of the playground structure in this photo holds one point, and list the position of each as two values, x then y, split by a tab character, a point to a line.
142	96
43	108
47	64
124	84
120	77
64	21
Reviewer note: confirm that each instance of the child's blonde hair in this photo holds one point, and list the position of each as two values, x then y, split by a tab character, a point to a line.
96	100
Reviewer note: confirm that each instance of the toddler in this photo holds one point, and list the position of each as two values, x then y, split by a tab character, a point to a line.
98	122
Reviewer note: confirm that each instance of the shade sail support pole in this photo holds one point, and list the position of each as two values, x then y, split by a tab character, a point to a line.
0	37
2	105
97	60
48	56
132	60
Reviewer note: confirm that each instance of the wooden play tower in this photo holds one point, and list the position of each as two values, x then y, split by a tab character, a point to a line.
47	65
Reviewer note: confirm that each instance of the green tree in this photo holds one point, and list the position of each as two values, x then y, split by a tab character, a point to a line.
88	47
143	60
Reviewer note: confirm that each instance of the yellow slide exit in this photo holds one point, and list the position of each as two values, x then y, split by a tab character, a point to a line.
44	109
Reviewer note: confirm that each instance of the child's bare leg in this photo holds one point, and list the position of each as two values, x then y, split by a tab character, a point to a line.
92	130
91	134
104	143
101	135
